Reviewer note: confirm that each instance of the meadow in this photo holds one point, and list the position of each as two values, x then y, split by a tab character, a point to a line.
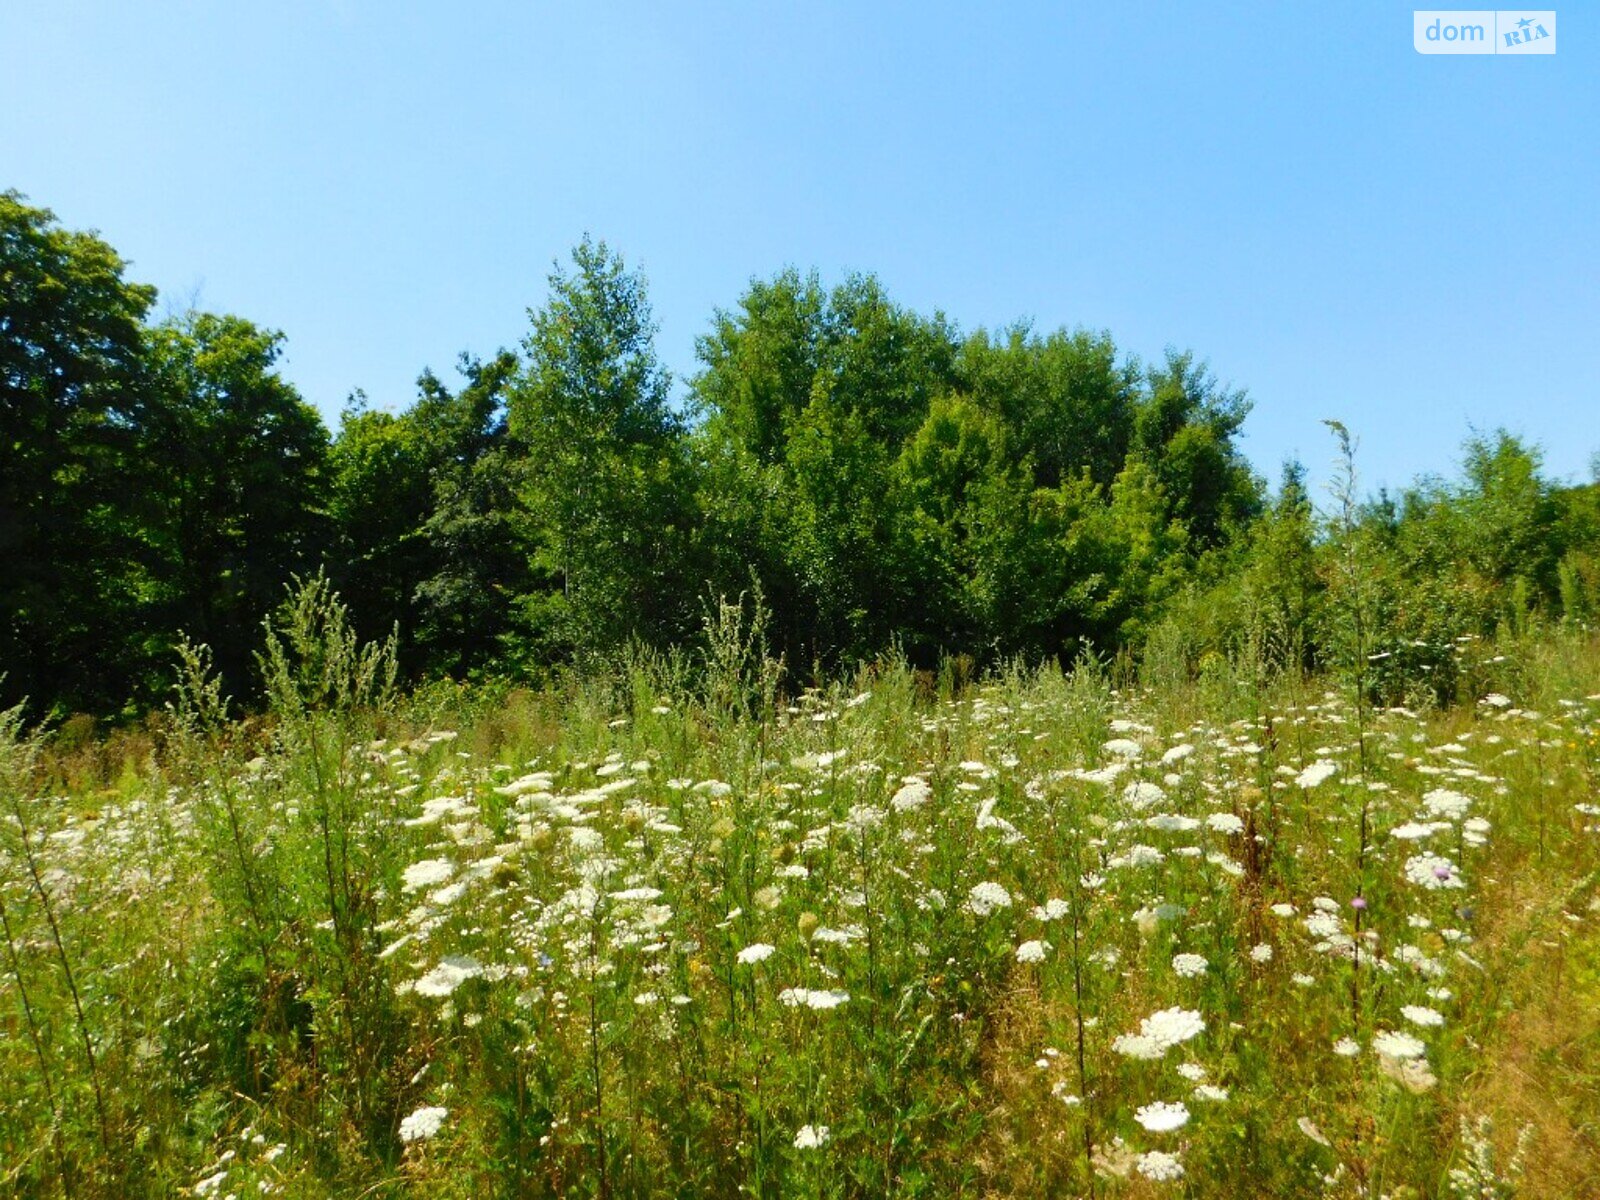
683	929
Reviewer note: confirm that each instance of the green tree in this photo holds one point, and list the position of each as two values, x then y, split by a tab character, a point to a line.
1066	398
959	496
381	495
608	481
72	520
1185	428
475	543
242	464
429	521
1280	581
805	401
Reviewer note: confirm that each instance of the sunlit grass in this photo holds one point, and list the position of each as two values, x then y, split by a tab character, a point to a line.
1045	936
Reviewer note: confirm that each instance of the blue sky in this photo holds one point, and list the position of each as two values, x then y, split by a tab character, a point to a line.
1340	225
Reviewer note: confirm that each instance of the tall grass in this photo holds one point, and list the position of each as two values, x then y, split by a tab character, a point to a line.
674	930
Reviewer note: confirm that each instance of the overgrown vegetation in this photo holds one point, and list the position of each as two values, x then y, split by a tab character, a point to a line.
675	929
911	764
881	479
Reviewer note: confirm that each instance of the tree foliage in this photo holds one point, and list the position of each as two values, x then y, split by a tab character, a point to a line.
879	480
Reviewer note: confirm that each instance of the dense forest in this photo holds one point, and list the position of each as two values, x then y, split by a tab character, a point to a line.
870	478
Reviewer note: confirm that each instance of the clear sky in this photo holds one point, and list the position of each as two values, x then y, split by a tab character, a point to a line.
1340	225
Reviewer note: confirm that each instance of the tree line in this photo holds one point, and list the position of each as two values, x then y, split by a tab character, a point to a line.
871	478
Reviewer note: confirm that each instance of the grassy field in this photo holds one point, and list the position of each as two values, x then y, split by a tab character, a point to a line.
1040	935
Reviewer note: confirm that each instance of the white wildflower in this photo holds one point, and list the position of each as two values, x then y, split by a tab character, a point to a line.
427	873
1433	872
1159	1166
1051	910
1161	1117
1446	805
985	898
1032	951
423	1123
1397	1045
812	998
451	973
1137	1045
1317	773
1172	1025
812	1137
1141	795
1225	823
913	794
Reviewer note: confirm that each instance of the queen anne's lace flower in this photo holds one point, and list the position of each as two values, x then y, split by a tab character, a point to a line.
987	897
427	873
1161	1117
1419	1014
1159	1032
451	973
1142	794
812	1137
1032	951
423	1123
1136	1045
913	794
1317	773
1159	1166
1432	871
812	998
1445	804
1398	1045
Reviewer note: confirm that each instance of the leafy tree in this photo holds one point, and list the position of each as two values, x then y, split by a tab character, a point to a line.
427	508
381	496
607	481
243	464
1185	429
1281	585
761	363
958	495
805	402
71	528
1067	400
476	552
840	538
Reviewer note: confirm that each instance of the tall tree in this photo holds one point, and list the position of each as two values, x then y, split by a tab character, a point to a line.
242	461
381	495
70	409
806	399
475	545
1186	429
1066	397
606	467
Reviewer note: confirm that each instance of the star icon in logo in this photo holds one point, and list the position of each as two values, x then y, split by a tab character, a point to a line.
1525	22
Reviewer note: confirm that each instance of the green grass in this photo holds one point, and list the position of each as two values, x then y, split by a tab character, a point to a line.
247	961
